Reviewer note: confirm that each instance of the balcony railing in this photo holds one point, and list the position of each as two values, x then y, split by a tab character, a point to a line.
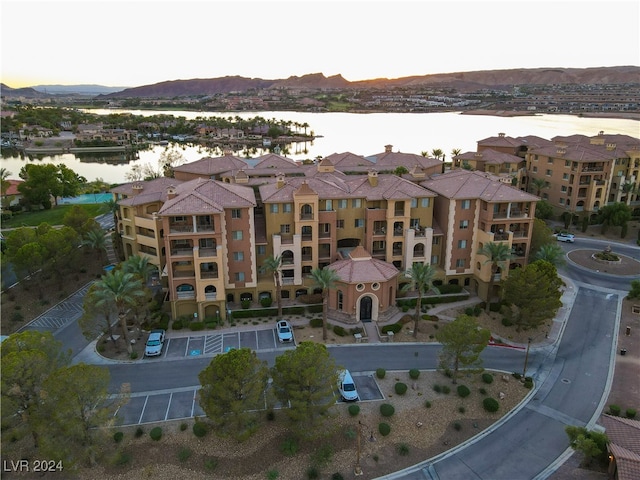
210	296
184	273
306	237
208	274
185	295
500	237
324	235
397	251
287	281
205	228
182	251
208	252
306	216
180	228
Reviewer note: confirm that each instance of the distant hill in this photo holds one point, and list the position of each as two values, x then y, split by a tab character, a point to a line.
77	89
460	81
26	92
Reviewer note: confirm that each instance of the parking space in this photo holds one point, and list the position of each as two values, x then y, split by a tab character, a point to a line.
155	409
176	347
367	387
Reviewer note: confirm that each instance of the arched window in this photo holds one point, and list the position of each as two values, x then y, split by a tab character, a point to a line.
340	299
306	212
418	250
287	257
210	292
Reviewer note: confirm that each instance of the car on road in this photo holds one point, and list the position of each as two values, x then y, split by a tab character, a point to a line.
155	342
565	237
284	331
347	387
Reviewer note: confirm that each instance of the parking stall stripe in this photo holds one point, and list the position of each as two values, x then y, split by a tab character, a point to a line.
193	403
166	414
186	348
143	408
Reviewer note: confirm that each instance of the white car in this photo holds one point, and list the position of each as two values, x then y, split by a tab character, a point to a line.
565	237
284	331
155	342
347	387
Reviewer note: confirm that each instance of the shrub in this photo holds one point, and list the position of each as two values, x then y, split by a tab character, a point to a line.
483	391
337	476
271	415
210	463
380	372
289	447
118	436
266	302
183	426
339	330
516	375
176	325
469	311
614	410
196	326
427	404
528	383
199	429
507	322
245	304
17	317
437	388
139	432
322	456
384	429
477	311
403	449
446	389
184	454
386	410
457	426
461	409
400	388
394	327
272	475
487	378
133	355
463	391
122	458
631	413
156	433
316	322
353	410
312	472
414	373
490	404
495	306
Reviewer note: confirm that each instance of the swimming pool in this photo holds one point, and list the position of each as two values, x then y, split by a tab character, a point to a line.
87	198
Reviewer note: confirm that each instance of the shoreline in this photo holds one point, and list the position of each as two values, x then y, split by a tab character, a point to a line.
515	113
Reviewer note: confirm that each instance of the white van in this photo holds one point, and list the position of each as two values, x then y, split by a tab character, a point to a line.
347	387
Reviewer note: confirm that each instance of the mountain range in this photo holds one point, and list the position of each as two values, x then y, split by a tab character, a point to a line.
458	81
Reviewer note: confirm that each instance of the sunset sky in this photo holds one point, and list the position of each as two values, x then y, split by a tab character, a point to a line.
132	43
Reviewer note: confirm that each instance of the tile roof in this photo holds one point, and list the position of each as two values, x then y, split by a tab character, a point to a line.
347	159
465	184
490	156
361	267
576	153
147	192
212	166
501	141
12	189
271	160
624	438
201	196
392	160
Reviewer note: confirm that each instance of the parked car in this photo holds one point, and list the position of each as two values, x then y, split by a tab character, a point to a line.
347	387
155	342
565	237
284	331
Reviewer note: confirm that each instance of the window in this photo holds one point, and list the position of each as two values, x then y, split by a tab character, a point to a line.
436	241
273	208
563	188
464	224
359	223
340	299
285	228
239	276
414	202
356	203
236	234
238	256
175	219
328	205
535	169
339	223
548	173
434	259
565	176
460	263
342	203
567	163
535	157
360	287
286	207
235	213
466	204
425	202
561	201
549	160
462	244
261	249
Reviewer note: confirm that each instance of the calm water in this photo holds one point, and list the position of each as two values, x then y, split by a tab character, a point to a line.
362	134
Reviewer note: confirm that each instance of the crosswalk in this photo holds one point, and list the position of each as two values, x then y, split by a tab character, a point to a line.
65	312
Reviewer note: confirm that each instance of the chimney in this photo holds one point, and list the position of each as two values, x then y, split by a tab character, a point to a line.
280	180
373	178
387	148
501	134
137	188
171	192
561	151
226	152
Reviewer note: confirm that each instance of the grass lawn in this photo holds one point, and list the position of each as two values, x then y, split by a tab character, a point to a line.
53	216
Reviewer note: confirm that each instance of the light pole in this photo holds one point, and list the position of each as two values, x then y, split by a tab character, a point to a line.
358	470
526	359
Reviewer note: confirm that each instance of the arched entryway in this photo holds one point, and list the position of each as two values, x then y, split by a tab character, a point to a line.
366	309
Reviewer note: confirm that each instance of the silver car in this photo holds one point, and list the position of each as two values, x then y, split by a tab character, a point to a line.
155	342
565	237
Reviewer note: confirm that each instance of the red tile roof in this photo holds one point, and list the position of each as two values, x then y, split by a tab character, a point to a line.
361	267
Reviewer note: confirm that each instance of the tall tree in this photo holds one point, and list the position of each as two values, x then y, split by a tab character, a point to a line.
73	414
96	316
78	219
28	358
538	184
96	239
305	379
112	207
628	189
139	265
233	386
535	290
551	253
540	235
462	343
124	290
273	265
60	245
617	214
325	279
497	253
421	276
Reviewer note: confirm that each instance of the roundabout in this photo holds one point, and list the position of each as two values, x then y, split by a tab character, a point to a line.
584	258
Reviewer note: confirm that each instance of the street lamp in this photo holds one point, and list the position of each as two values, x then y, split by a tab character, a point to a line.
526	359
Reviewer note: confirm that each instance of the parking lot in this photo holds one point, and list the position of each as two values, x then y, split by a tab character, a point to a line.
183	403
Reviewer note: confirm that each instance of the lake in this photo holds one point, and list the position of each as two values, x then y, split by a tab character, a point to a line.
362	134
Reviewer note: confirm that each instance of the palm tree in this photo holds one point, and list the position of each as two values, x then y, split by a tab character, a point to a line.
628	189
551	253
421	280
4	182
139	266
272	265
324	279
455	152
437	153
539	184
112	206
96	238
496	253
123	290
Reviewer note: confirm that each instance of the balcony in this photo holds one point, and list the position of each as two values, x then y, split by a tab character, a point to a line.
287	280
210	296
307	258
184	273
306	216
180	228
324	235
208	274
380	231
187	252
500	237
205	228
185	295
208	252
397	251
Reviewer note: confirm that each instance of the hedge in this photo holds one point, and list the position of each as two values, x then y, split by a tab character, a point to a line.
394	327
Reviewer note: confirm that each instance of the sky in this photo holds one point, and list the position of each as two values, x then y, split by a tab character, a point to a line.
132	43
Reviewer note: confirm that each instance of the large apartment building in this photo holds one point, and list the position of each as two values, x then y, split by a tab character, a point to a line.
209	229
